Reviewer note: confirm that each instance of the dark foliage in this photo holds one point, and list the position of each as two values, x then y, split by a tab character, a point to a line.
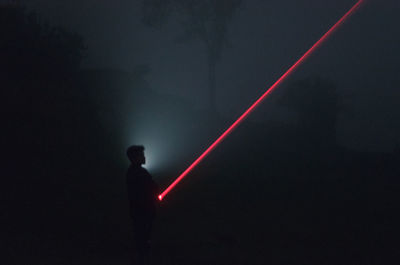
31	49
270	194
316	104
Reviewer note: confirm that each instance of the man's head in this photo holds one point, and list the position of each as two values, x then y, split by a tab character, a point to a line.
135	154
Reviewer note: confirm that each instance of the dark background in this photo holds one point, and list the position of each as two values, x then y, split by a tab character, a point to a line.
311	177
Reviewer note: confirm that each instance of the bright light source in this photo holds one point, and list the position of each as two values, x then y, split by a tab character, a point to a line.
258	101
153	149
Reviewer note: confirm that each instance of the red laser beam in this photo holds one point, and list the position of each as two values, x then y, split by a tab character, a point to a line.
258	101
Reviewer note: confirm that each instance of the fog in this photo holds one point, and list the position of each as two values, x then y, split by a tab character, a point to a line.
310	177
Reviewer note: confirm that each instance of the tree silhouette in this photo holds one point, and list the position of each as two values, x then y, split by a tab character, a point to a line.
30	48
205	20
315	101
39	64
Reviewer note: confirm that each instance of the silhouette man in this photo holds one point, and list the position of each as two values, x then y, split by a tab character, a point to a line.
142	192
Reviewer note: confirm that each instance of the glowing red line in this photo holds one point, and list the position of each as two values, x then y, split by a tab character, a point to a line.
246	113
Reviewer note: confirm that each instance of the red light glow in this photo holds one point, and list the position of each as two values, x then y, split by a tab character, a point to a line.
258	101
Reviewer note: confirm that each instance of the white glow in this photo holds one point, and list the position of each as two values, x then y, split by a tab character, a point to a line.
163	131
155	145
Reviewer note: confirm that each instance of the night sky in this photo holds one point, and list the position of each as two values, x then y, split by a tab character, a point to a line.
311	177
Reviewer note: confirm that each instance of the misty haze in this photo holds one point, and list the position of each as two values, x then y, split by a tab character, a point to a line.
107	102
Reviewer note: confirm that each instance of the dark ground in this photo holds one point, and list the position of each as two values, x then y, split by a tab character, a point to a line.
243	205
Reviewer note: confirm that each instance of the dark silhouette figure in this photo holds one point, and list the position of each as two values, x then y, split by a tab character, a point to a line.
142	192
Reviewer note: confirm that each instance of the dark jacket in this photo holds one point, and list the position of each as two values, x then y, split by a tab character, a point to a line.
142	193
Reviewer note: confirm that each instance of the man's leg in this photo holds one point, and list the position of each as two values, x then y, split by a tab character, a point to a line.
142	240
